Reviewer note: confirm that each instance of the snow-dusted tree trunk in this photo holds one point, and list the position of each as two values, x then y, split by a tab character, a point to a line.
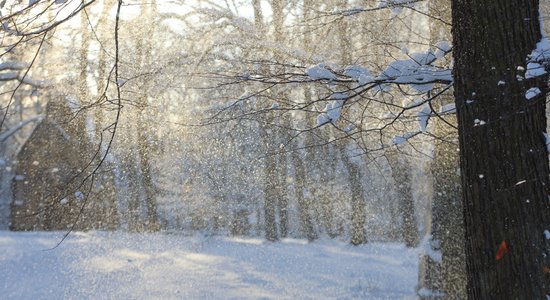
145	53
269	176
358	209
108	184
446	277
298	157
401	173
284	120
504	159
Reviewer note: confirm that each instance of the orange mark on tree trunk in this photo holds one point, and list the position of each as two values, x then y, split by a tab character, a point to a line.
502	249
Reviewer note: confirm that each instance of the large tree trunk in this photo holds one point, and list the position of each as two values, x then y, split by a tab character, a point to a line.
504	161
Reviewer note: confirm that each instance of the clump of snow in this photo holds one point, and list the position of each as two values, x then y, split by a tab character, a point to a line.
541	52
547	141
401	139
64	201
416	71
423	58
547	234
532	93
423	117
478	122
448	108
333	109
407	103
500	82
319	72
360	74
275	105
538	59
322	119
396	5
534	70
442	48
519	78
79	195
349	128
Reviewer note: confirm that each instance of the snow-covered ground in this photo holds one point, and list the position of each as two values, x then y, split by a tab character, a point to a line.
100	265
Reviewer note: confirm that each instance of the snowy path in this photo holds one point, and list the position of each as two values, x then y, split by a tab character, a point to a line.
102	265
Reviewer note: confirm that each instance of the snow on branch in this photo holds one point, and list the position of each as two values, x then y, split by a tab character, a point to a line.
9	76
395	5
6	134
402	139
13	65
539	59
417	71
392	3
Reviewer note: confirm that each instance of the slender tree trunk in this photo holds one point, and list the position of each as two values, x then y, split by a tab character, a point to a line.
282	193
303	205
401	172
270	162
108	183
358	209
132	197
504	161
144	150
269	188
284	120
300	170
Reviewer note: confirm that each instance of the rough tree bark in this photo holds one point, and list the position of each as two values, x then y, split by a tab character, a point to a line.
504	161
